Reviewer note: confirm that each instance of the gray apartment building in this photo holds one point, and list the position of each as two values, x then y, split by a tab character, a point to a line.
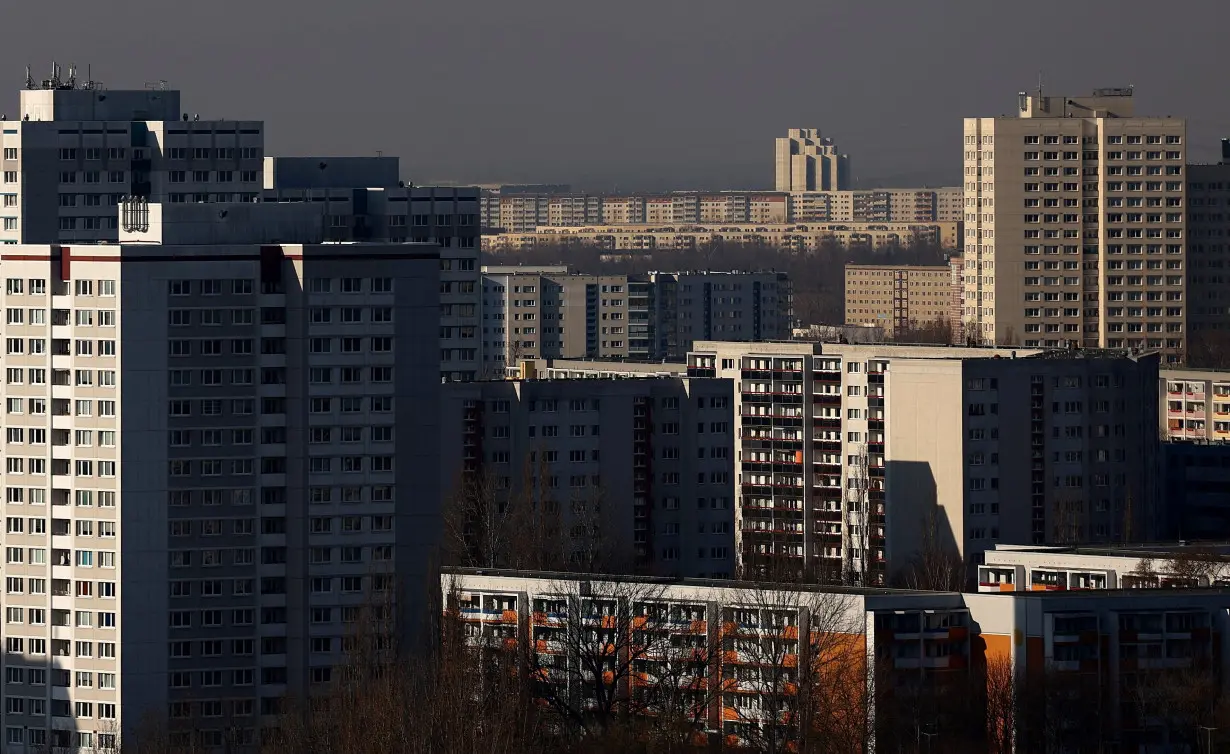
844	451
552	313
653	454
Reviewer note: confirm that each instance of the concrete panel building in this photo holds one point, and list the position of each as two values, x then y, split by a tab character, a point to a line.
1102	662
807	161
549	312
77	149
1076	225
806	237
646	461
208	450
899	298
845	450
525	213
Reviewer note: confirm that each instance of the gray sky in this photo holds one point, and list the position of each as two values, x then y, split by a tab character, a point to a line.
634	94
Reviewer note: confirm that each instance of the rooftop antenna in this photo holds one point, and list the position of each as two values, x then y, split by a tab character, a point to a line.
72	76
29	79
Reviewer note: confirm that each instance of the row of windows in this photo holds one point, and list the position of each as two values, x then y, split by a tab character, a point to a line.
37	526
61	588
244	346
38	287
83	558
60	407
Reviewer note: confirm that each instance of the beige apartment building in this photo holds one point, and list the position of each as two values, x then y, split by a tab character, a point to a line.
807	161
898	297
524	213
801	237
1076	225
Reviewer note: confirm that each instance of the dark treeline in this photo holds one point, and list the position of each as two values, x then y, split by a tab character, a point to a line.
818	277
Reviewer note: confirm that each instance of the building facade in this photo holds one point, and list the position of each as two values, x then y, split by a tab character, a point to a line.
646	461
899	298
549	312
1076	225
207	448
845	451
78	149
807	161
446	217
525	213
797	237
1099	669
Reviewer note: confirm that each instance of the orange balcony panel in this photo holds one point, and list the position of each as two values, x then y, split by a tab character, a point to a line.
732	742
510	644
956	633
608	621
640	621
730	684
730	656
730	713
699	627
791	632
540	619
608	677
790	661
729	628
509	616
1007	587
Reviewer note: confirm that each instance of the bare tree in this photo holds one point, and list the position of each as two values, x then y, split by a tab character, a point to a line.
1002	703
477	522
784	652
858	518
1143	576
588	639
1196	566
936	566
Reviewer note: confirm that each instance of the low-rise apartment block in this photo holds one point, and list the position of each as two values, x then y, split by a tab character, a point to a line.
1008	568
1096	666
845	451
646	461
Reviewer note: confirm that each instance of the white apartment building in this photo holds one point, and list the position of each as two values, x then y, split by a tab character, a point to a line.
1010	568
653	452
208	449
77	149
1075	225
807	161
845	450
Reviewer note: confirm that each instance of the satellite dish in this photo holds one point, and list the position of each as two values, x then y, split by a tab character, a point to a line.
222	214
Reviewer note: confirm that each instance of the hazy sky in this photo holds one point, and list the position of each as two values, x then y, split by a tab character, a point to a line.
632	94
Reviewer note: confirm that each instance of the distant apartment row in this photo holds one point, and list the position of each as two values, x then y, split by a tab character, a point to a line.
527	212
550	312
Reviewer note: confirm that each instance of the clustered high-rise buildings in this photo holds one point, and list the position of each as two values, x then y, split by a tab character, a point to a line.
238	389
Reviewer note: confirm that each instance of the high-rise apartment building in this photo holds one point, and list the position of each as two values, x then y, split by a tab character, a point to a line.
807	161
208	449
369	211
1208	299
844	450
78	149
549	312
1076	225
899	298
642	466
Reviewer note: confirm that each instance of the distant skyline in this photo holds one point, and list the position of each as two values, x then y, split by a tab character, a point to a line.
659	95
